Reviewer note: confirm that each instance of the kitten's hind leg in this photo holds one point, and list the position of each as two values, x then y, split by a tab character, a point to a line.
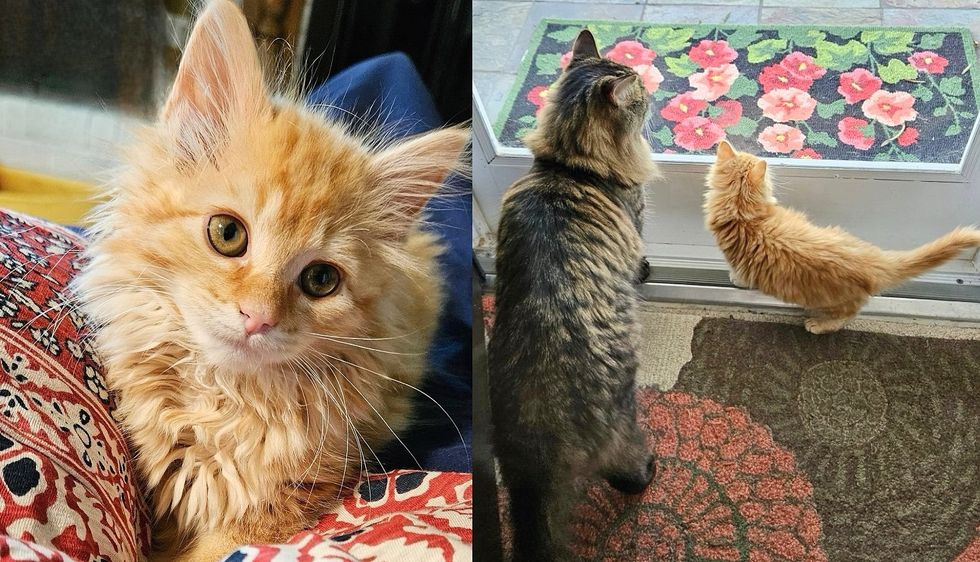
211	547
631	468
832	319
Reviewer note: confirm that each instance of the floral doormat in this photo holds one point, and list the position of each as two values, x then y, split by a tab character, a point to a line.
840	93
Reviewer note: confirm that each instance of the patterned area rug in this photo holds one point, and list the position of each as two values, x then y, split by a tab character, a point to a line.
777	445
885	427
841	93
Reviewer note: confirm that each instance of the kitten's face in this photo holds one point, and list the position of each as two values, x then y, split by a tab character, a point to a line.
267	229
612	92
270	246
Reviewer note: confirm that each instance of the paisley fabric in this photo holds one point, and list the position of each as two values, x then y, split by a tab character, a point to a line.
403	515
67	481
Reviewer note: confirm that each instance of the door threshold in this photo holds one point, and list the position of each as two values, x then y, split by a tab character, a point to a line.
878	306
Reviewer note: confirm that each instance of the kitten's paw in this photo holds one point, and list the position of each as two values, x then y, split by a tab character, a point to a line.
823	326
736	281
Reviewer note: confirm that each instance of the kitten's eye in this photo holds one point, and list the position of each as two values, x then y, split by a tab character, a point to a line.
319	279
227	235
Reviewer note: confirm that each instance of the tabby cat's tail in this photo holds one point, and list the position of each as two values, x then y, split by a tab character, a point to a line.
927	256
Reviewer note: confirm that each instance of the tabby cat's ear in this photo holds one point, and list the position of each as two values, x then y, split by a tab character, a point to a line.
618	89
585	47
758	172
410	172
219	80
725	151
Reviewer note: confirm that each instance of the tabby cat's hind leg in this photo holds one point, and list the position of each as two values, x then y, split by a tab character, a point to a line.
538	510
833	318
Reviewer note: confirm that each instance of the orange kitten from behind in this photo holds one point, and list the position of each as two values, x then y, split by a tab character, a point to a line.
779	252
264	299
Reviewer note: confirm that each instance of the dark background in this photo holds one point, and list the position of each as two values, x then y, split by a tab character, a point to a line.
122	55
77	50
435	34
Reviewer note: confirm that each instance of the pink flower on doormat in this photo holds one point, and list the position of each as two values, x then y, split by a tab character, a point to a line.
908	137
631	53
537	96
681	107
807	154
889	108
787	104
713	82
929	62
710	53
731	112
856	132
777	77
781	139
650	76
858	85
803	66
697	133
565	60
724	490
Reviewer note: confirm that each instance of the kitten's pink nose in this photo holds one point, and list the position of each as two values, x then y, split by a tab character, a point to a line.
257	320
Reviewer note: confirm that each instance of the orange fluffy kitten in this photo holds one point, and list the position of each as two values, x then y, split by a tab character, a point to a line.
264	298
779	252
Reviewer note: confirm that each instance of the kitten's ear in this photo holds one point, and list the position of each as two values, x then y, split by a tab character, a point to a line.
585	47
725	151
410	172
618	90
758	172
219	79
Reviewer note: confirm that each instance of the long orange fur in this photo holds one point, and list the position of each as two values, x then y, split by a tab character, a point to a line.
251	446
779	252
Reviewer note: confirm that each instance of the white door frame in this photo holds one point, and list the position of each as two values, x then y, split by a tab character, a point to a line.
897	205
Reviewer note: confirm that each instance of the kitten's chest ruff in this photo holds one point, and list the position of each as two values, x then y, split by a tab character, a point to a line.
211	458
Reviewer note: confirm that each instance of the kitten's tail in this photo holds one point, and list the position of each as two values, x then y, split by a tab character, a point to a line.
927	256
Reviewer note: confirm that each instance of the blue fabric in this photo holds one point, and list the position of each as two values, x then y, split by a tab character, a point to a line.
387	92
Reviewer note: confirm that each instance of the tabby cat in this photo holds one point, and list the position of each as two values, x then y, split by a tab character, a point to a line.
562	355
263	296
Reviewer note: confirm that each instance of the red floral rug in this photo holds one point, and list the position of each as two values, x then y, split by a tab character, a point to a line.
724	491
842	93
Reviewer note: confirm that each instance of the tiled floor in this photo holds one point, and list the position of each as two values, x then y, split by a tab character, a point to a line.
502	28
